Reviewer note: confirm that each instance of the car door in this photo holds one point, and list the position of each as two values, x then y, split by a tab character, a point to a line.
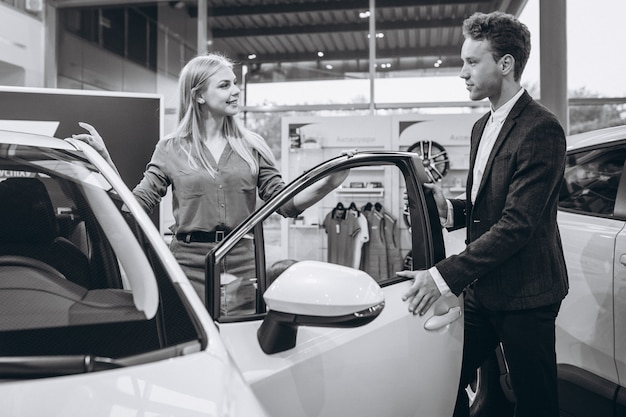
591	341
326	338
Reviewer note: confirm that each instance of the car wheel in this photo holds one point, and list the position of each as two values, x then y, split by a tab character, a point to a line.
435	157
487	398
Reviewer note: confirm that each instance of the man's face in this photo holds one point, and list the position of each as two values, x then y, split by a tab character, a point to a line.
482	75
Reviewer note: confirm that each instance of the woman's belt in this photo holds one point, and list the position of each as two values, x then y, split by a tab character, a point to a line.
201	236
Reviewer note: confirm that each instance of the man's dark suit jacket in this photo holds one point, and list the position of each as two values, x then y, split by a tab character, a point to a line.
514	256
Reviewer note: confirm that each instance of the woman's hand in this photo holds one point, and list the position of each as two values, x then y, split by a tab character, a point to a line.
93	139
336	179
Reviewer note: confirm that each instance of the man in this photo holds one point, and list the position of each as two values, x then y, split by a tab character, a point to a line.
512	271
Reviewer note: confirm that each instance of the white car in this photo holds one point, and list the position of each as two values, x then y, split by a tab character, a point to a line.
97	318
591	325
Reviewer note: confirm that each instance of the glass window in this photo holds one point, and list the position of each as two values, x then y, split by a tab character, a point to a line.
78	274
360	225
591	181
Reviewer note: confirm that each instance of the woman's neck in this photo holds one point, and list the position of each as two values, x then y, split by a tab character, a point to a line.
213	130
214	141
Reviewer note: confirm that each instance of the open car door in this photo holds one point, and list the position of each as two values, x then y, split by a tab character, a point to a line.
315	320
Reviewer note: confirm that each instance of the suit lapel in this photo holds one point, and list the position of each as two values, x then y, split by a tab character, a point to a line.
508	125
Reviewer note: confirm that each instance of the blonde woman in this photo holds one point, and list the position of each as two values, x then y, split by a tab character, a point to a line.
216	168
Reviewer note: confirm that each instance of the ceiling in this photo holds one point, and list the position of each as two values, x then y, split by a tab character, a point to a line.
285	37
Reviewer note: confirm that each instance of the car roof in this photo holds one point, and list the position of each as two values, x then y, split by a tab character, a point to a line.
596	137
31	139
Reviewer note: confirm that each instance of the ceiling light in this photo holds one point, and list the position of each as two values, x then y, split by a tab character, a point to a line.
379	35
365	14
320	54
252	56
177	4
329	67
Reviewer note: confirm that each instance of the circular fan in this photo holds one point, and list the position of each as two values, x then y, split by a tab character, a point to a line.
434	156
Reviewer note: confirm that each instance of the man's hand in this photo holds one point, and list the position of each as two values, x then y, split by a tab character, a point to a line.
440	199
423	292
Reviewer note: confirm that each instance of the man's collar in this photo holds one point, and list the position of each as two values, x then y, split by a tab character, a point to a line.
504	110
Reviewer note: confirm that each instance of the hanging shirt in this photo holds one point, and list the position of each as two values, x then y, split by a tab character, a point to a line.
361	238
342	228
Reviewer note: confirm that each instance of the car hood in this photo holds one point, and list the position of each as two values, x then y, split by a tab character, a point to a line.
200	384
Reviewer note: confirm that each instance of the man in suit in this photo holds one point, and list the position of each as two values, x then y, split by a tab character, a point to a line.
512	272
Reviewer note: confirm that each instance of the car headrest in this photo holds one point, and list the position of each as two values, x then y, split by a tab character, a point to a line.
26	212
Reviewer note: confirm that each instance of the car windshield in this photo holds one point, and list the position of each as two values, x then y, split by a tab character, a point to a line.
78	275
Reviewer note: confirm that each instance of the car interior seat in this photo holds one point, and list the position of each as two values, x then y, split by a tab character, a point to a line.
29	227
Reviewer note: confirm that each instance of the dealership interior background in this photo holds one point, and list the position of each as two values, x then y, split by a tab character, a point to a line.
140	46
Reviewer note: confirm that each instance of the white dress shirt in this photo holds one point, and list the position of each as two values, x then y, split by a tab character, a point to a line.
485	146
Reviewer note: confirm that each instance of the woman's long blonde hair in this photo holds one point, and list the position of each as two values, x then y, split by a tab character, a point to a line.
194	79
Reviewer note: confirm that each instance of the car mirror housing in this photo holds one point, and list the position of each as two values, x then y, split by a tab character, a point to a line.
312	293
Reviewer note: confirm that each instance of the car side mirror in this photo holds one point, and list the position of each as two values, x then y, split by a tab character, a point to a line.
313	293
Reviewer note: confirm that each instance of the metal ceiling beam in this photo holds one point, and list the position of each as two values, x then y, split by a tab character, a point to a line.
445	53
327	6
66	4
343	27
511	6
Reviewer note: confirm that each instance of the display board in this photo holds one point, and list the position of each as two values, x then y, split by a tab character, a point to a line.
131	124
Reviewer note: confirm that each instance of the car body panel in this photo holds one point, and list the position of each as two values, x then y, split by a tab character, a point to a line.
391	366
585	330
596	138
202	384
619	306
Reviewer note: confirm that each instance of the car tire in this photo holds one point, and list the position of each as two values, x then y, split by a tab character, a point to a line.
487	398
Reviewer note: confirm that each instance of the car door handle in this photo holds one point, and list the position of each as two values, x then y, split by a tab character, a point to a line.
437	322
622	260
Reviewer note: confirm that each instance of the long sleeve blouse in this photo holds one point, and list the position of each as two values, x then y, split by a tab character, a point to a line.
201	202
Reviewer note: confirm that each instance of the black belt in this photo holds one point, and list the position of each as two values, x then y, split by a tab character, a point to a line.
200	236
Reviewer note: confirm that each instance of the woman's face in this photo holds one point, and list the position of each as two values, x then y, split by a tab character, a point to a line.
222	93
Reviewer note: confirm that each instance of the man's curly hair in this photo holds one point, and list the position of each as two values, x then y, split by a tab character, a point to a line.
505	34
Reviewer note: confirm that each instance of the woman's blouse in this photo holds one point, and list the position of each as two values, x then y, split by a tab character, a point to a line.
201	202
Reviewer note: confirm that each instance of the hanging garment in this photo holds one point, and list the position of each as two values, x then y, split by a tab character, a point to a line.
394	259
342	229
361	238
375	251
381	255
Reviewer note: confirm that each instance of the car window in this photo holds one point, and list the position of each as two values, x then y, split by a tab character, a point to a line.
360	225
591	181
78	275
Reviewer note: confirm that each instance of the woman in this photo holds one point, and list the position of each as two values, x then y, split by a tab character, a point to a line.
216	167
